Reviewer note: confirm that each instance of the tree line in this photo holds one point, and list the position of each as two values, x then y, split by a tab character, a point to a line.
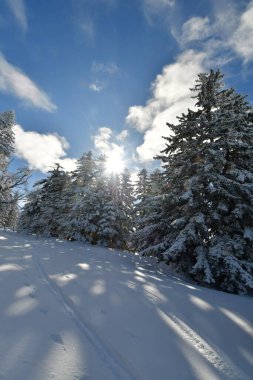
196	213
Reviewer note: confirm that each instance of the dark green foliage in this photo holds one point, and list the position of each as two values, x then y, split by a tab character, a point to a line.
207	209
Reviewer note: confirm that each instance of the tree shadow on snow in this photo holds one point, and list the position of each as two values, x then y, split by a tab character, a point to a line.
157	325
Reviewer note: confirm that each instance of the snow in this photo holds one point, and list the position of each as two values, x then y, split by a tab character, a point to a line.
71	311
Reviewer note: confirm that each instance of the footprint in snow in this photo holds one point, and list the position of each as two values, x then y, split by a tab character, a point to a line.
57	339
43	310
25	361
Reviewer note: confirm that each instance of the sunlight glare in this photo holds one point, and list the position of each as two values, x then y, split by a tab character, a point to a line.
114	163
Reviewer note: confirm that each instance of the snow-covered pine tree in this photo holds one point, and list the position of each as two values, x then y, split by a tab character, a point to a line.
6	149
43	211
52	202
148	224
208	205
115	219
96	197
126	197
78	222
109	232
141	206
8	181
13	211
29	219
109	220
7	120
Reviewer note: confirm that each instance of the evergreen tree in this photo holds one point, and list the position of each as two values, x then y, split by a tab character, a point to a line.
127	206
7	120
207	210
9	181
29	219
148	225
45	206
80	192
116	219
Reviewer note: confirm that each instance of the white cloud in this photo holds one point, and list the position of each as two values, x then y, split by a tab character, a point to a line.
86	25
122	135
170	97
84	17
230	32
95	87
102	139
18	9
242	39
102	72
196	28
153	7
42	151
103	67
14	81
103	142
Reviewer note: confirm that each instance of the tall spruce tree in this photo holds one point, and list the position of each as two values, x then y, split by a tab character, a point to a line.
126	198
207	210
29	219
45	206
9	182
148	224
115	221
79	221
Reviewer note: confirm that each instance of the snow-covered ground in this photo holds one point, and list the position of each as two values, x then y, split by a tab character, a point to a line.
75	312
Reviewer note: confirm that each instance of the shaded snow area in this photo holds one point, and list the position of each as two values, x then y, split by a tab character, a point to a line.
75	312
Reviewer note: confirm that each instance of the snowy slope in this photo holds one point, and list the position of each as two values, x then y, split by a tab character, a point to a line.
72	311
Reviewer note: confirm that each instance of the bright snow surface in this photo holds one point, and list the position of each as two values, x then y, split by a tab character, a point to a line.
72	311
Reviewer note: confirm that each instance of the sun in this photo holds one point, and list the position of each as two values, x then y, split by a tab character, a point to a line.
114	163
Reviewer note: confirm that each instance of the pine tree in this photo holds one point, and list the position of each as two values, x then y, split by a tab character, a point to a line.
115	221
29	219
45	206
126	197
207	209
77	221
7	120
9	181
148	225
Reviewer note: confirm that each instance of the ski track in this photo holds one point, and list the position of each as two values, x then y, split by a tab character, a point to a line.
211	355
120	369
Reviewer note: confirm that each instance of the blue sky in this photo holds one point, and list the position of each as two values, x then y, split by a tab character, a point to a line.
107	75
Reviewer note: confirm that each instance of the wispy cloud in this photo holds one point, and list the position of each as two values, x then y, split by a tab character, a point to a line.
109	68
95	87
122	135
242	39
86	25
42	151
229	34
196	28
104	143
15	82
102	139
206	42
83	16
170	97
154	7
102	74
18	9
